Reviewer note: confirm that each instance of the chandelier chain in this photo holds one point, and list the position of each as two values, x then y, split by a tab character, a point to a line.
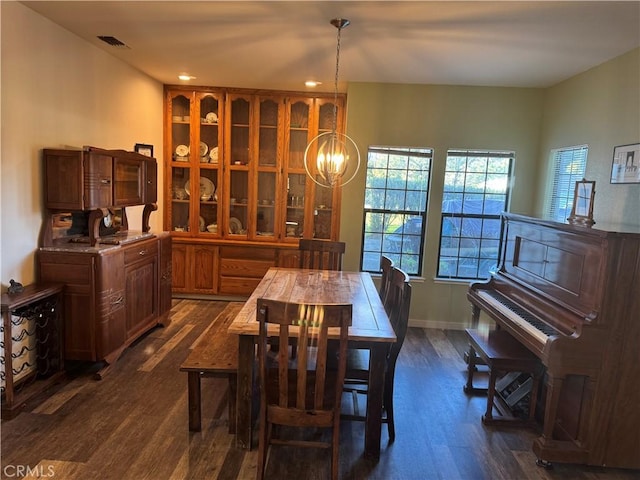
335	83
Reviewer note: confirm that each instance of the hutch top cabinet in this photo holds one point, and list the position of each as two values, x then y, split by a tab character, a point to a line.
235	165
236	182
96	178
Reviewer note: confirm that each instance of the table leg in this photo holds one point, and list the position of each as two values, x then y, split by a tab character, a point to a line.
373	425
244	427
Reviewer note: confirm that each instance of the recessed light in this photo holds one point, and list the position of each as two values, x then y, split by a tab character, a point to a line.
312	83
185	77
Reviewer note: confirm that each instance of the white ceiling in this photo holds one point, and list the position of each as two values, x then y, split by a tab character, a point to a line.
279	45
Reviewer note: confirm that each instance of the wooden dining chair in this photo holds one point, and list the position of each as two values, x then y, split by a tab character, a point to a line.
321	254
302	392
386	264
356	378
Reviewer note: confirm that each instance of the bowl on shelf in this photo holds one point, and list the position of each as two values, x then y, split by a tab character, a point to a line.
212	228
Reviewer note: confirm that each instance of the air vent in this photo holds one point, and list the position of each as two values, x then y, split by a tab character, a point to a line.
113	41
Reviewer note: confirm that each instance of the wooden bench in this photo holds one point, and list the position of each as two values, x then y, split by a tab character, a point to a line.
503	354
215	355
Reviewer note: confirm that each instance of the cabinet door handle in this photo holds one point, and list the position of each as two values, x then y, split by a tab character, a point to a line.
105	181
142	252
118	300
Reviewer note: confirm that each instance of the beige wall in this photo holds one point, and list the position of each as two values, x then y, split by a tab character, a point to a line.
60	91
600	108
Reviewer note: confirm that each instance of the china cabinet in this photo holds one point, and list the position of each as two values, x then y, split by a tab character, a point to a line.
238	196
117	282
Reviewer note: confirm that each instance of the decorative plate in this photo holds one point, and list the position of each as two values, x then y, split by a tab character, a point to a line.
203	149
182	150
206	187
211	117
213	155
202	227
235	225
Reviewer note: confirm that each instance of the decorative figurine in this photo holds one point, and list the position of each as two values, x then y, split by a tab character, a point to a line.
15	287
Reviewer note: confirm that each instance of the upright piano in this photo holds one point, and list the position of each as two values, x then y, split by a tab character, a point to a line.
571	295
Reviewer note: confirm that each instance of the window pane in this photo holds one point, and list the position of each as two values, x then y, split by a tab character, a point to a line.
569	165
476	193
395	207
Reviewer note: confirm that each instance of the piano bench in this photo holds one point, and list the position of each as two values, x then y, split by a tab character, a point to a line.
503	355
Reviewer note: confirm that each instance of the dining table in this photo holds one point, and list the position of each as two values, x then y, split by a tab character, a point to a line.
370	330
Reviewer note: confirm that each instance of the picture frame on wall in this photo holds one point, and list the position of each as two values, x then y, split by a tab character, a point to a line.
144	149
582	210
626	164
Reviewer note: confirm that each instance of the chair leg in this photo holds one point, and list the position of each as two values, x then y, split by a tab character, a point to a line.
263	447
334	453
388	405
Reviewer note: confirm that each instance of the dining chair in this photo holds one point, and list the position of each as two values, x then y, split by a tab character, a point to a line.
386	264
356	378
321	254
303	392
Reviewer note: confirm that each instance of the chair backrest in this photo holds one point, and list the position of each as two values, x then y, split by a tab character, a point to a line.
303	392
398	303
386	264
321	254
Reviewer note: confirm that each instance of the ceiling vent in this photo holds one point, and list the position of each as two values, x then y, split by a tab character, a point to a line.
113	41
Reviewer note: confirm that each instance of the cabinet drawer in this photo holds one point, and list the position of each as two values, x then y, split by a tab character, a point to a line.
231	267
140	250
255	253
239	286
73	269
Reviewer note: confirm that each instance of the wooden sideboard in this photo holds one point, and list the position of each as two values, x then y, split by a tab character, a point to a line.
113	293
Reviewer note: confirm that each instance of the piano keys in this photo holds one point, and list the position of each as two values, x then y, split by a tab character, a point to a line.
571	295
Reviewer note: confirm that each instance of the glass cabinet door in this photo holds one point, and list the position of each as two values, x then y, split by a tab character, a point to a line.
325	198
299	134
237	152
209	145
180	171
269	116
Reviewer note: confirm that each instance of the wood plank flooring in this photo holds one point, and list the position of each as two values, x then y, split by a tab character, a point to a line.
133	424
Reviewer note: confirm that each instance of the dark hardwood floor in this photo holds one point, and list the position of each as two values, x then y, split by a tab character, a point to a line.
134	424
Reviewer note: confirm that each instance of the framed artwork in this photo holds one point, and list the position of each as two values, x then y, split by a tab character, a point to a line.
626	164
144	149
582	210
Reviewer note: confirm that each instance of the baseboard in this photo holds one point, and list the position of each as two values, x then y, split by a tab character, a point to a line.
437	324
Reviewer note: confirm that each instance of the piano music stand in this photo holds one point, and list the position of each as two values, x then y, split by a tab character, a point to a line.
502	354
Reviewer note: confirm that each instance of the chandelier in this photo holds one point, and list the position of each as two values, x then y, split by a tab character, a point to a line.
332	158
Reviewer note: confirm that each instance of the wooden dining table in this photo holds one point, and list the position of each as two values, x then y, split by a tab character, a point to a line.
370	330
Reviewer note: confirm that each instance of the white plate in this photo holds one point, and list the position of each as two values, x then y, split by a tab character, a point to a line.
202	227
235	225
206	186
182	150
213	155
211	117
203	149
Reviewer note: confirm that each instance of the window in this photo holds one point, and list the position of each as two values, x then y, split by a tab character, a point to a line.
395	207
569	165
476	191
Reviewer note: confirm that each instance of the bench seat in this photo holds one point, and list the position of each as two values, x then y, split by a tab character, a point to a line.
215	355
502	354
